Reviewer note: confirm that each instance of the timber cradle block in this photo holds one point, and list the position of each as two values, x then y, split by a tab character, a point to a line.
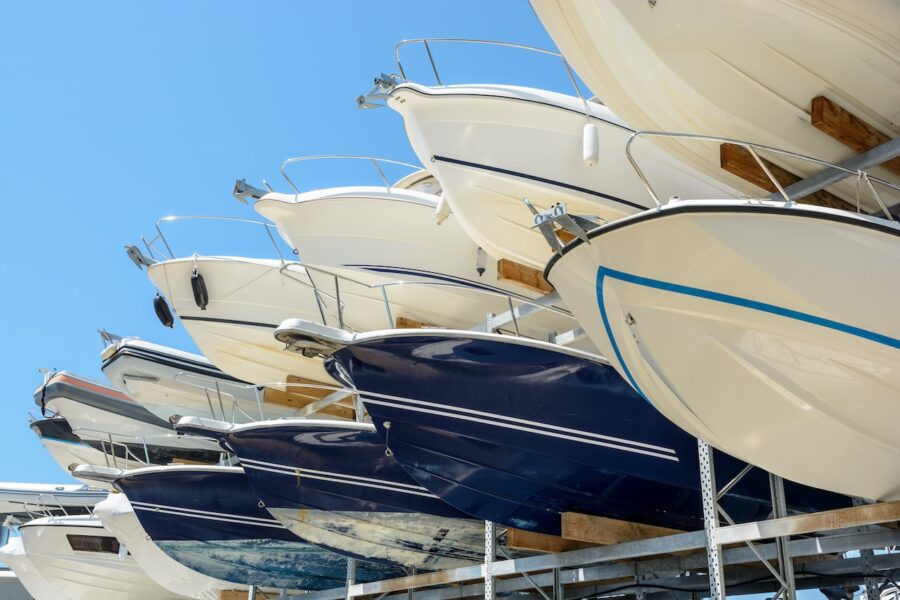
541	542
838	122
605	531
737	160
533	279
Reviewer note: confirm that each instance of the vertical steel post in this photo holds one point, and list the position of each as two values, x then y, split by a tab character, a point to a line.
351	576
251	593
785	563
711	521
490	539
259	402
558	591
872	592
411	592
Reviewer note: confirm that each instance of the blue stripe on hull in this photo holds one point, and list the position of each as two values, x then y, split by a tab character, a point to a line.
351	495
517	434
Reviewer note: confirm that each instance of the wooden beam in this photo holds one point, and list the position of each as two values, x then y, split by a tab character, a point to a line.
737	160
533	279
405	323
541	542
606	532
848	129
297	397
233	595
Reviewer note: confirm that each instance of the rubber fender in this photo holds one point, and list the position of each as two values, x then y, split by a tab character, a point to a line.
163	313
198	287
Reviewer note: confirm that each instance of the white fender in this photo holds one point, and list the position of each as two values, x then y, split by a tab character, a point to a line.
590	145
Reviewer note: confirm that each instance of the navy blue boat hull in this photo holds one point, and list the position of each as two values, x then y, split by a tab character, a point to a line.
209	520
333	484
518	433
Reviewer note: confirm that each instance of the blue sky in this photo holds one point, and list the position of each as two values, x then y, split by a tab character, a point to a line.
114	114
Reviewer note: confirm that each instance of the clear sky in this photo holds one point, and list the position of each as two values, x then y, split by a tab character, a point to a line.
114	114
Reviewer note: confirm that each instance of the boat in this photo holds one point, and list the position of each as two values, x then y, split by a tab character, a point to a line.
209	519
118	517
518	431
81	560
22	498
770	333
247	298
744	70
111	421
390	234
493	146
333	484
172	383
13	555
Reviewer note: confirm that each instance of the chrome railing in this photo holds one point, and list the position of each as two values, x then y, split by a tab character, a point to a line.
160	238
331	303
376	162
316	402
426	43
381	290
754	149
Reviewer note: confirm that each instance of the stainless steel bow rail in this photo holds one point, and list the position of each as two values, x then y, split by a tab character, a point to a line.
838	171
331	304
374	160
385	83
212	389
158	254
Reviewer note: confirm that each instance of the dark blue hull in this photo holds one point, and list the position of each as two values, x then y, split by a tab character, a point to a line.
518	433
210	520
333	484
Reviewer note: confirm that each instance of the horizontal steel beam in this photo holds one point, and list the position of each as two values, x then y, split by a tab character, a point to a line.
505	318
671	567
868	514
830	175
629	550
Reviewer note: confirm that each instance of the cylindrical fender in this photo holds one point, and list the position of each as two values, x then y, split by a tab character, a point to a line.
590	145
198	287
162	311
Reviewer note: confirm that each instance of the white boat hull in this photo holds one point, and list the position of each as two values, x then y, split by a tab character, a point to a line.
247	300
105	415
14	556
170	382
69	455
83	575
118	517
492	146
771	332
371	236
745	70
17	497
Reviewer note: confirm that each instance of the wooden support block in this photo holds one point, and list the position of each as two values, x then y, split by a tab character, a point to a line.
604	531
737	160
508	270
297	397
233	595
848	129
541	542
564	236
404	323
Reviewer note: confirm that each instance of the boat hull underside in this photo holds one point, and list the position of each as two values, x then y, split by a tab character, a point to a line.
786	354
517	436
